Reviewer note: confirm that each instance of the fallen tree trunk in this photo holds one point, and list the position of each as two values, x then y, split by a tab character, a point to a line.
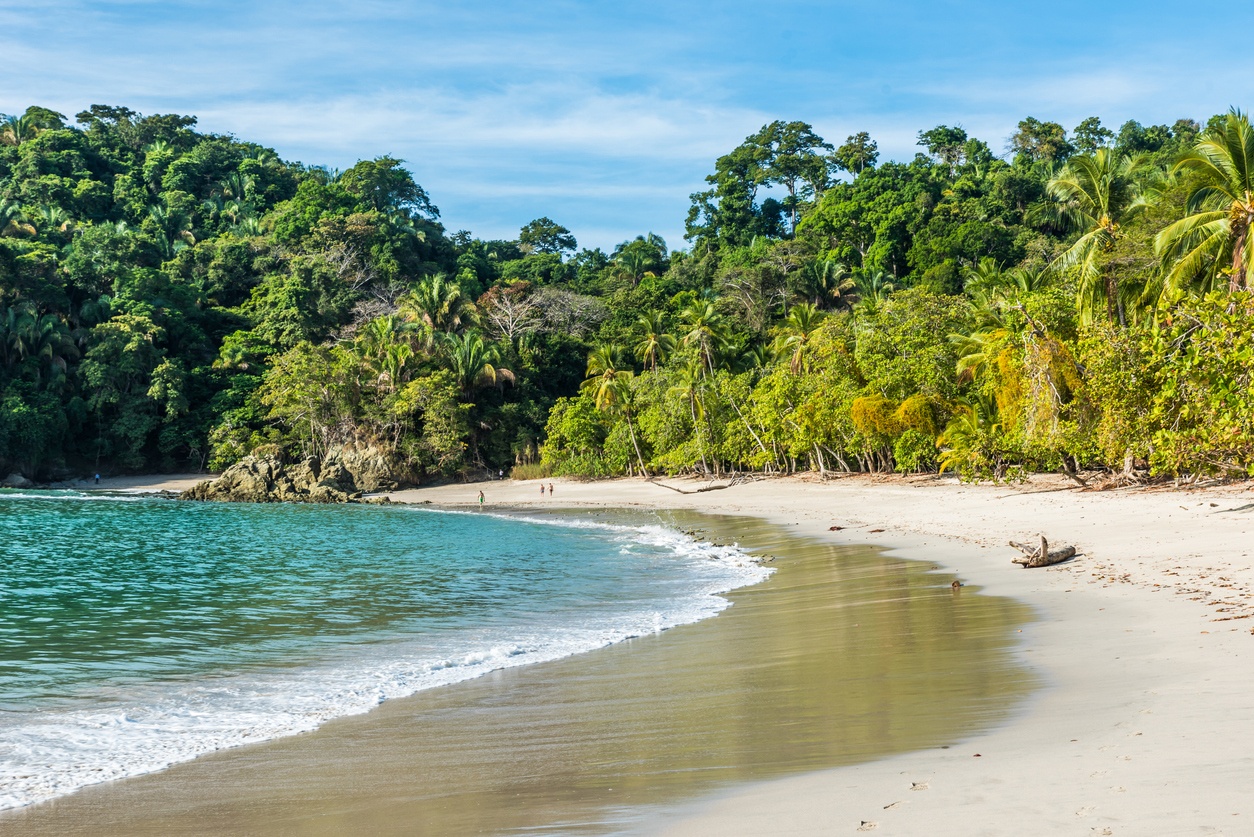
697	491
1041	555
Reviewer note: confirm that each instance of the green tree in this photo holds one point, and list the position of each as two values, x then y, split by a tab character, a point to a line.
654	344
704	329
610	386
1213	238
946	144
803	320
437	303
1037	141
473	362
859	152
1089	135
544	235
384	185
1094	194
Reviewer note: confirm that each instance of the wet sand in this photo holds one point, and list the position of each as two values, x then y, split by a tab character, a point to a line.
843	656
140	484
1144	642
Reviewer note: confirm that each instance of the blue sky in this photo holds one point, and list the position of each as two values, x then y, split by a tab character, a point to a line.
606	116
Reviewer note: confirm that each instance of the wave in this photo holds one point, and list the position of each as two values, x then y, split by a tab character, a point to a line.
69	494
131	730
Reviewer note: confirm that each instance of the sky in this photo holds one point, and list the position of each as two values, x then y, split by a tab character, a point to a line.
606	116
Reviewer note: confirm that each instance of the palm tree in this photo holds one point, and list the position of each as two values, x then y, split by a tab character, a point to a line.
827	282
978	351
872	287
1213	238
176	229
392	364
634	264
247	225
400	223
25	335
54	218
235	186
611	388
386	349
705	330
13	220
15	130
970	442
53	344
438	303
605	367
654	344
756	358
1094	194
473	362
984	280
803	320
691	383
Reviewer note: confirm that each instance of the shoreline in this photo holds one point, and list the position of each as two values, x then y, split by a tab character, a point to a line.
596	739
1144	642
1144	724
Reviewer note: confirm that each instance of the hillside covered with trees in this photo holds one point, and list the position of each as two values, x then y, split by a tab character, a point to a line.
171	299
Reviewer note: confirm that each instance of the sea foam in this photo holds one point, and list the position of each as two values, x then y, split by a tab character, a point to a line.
127	729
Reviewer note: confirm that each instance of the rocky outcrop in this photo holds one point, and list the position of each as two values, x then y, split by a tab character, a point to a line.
370	468
15	481
341	477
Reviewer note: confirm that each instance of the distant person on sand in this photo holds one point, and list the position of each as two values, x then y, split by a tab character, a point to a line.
550	489
541	489
97	479
500	475
480	499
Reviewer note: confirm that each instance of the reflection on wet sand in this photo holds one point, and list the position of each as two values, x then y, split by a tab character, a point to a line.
842	656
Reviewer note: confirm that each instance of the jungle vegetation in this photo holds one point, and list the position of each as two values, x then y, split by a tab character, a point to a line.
1073	300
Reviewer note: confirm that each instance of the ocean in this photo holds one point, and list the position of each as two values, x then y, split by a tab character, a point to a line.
139	632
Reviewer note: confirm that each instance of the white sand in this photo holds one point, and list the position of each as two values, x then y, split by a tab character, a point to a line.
140	484
1146	723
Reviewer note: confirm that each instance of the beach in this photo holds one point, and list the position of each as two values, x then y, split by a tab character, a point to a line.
1144	642
1141	722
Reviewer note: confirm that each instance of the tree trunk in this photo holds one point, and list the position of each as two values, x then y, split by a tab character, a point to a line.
632	430
747	425
1238	260
692	408
1041	555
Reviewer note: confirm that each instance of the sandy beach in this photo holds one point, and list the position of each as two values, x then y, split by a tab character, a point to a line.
1143	722
139	484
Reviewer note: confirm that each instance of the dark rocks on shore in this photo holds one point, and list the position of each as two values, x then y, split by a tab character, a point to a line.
15	481
342	476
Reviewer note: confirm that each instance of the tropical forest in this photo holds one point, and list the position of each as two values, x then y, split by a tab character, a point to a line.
1067	300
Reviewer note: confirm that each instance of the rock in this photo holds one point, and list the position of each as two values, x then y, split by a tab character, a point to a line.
248	481
370	469
340	477
16	481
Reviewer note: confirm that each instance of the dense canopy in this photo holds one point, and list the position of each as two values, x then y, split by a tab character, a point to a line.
172	299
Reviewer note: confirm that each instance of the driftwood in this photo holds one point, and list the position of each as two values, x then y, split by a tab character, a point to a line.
1041	555
697	491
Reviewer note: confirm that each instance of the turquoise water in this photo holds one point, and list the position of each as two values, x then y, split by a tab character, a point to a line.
139	632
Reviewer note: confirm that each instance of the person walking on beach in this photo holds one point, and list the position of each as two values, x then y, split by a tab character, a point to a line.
97	479
541	489
481	499
550	489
